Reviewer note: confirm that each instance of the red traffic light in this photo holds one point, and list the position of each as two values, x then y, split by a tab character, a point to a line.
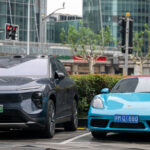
14	28
11	31
9	27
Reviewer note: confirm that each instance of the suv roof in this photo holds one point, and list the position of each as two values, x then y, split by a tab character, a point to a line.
26	56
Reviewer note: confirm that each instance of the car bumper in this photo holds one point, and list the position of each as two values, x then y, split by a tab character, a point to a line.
21	112
104	122
14	118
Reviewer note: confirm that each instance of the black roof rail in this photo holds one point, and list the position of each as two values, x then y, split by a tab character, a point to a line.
18	56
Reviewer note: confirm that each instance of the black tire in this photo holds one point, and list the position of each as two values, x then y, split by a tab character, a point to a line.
73	124
49	129
99	135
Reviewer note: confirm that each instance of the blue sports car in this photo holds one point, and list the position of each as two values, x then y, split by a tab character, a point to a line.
126	108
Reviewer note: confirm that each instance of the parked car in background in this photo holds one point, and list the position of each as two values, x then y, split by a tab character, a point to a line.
36	93
124	109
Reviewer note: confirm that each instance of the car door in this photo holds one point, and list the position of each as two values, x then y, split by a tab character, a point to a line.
57	88
68	94
60	89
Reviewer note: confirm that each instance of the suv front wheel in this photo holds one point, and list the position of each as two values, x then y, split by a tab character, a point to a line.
49	130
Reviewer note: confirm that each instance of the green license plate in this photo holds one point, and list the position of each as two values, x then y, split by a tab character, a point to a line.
1	108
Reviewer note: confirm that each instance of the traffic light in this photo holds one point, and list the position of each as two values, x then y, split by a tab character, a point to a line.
130	36
8	30
14	33
122	23
11	32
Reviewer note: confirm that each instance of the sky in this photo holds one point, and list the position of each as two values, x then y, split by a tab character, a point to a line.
71	6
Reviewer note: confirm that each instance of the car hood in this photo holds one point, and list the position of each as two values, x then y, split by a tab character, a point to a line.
127	103
16	83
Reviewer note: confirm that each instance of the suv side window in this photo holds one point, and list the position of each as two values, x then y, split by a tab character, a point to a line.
61	67
54	66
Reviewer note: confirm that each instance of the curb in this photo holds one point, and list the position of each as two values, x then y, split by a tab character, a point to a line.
82	122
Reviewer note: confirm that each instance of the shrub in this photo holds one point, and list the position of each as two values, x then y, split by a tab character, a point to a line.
90	85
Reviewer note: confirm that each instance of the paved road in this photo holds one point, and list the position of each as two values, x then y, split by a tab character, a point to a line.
80	139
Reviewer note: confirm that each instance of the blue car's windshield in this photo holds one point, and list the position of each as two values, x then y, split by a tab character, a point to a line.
131	85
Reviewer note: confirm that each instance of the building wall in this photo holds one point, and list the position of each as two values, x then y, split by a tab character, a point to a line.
19	15
112	10
66	17
51	30
56	22
91	14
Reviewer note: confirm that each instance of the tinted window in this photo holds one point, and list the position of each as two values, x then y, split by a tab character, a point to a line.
54	67
23	67
139	85
126	86
61	67
57	65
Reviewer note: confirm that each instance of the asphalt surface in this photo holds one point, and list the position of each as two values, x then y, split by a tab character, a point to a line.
81	139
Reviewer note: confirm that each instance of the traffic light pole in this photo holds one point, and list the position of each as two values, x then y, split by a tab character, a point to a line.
28	33
127	46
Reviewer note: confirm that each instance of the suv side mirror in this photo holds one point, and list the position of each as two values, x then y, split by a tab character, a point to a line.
105	91
59	75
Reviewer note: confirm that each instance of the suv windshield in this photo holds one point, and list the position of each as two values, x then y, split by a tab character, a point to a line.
130	85
23	67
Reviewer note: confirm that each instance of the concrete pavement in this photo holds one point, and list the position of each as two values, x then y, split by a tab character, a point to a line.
81	139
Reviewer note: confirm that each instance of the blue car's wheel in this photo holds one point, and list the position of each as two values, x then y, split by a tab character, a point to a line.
98	135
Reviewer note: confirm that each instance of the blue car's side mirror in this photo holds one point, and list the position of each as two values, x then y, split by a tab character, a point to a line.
105	91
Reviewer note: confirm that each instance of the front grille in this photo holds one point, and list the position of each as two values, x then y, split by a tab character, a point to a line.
4	98
99	123
127	125
11	116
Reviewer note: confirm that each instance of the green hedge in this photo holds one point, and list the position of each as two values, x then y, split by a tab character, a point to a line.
90	85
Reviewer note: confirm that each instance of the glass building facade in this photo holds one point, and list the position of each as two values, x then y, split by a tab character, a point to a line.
58	21
65	24
112	10
16	12
50	32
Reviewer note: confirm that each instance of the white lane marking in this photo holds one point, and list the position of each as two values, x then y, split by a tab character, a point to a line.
75	138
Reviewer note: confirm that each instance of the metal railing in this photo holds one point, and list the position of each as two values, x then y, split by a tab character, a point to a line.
22	50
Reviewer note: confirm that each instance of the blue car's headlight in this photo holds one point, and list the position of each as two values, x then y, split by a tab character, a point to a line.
97	103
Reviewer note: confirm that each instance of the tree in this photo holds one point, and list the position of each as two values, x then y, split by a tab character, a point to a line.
84	42
108	38
138	57
62	36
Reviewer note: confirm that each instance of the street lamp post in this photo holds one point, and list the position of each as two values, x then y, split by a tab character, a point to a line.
127	43
28	33
44	20
101	20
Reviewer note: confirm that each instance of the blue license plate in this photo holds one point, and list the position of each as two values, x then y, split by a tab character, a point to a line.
126	118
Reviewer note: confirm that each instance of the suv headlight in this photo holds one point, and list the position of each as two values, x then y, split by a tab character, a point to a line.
37	98
97	103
